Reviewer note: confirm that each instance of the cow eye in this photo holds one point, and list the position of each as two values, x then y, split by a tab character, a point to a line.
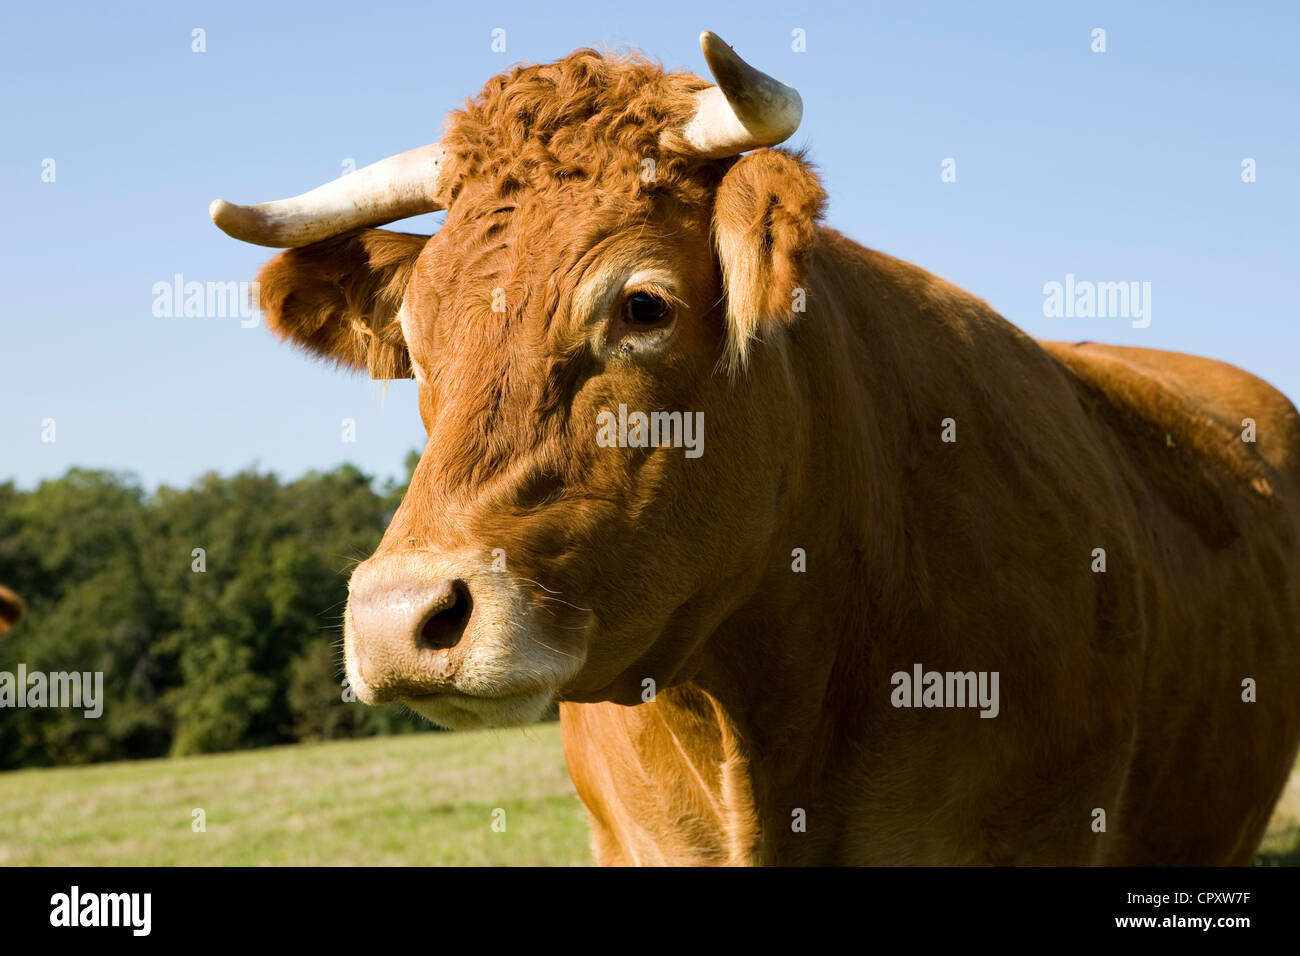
646	310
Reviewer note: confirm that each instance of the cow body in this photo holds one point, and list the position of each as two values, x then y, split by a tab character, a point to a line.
1121	690
889	480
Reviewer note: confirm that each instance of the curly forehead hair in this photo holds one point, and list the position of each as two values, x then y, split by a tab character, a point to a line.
590	117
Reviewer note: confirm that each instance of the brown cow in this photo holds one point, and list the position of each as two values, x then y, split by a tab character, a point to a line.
12	610
932	592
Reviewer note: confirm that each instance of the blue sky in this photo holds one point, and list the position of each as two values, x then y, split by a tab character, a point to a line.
1115	166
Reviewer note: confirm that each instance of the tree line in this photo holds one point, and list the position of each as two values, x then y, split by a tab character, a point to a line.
214	612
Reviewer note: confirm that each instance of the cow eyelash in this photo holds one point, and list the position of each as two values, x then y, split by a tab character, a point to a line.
642	319
648	309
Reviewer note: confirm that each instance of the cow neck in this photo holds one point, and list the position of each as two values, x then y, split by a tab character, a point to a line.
774	674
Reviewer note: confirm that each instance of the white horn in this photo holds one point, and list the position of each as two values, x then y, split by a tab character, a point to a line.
746	110
391	189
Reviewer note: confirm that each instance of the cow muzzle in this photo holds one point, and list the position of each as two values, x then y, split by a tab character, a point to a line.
456	641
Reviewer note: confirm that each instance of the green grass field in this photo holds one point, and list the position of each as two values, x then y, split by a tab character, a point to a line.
415	799
411	799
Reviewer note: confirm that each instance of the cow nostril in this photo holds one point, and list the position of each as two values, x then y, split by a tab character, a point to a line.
443	629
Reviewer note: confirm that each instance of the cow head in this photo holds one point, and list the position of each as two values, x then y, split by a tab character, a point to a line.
605	255
12	610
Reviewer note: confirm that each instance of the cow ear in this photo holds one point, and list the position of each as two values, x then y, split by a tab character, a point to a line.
764	218
340	298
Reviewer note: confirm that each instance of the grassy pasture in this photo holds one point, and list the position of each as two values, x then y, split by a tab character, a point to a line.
411	799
